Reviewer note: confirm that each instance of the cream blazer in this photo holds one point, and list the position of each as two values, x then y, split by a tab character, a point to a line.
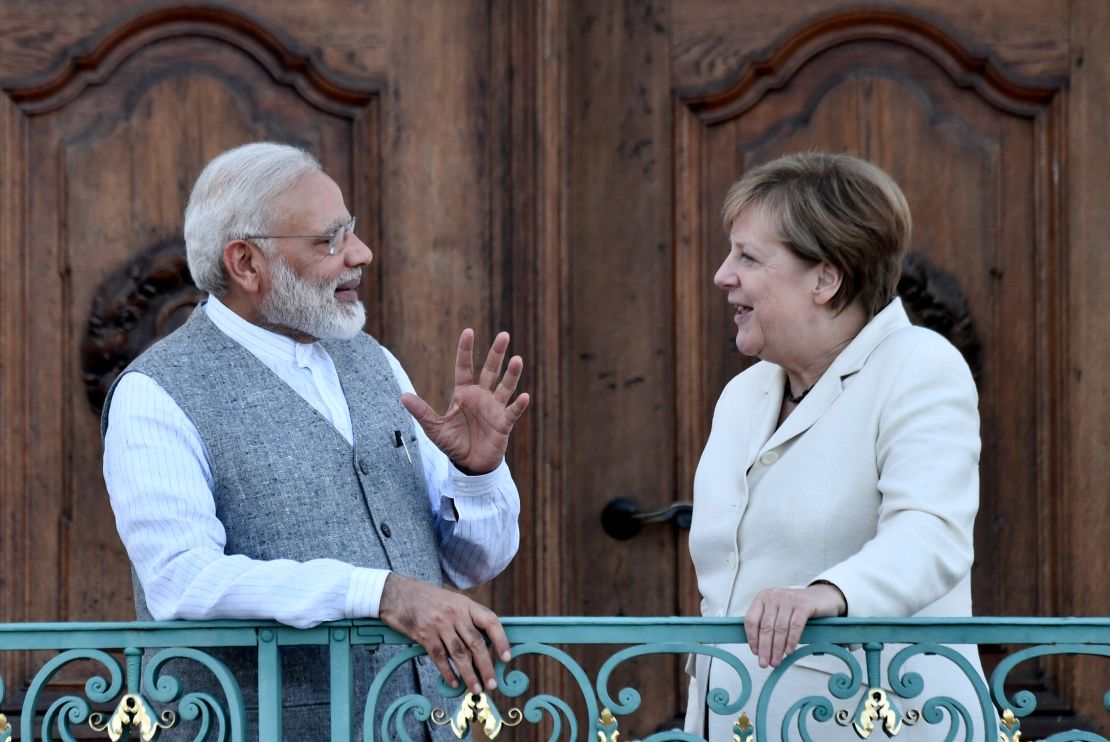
871	483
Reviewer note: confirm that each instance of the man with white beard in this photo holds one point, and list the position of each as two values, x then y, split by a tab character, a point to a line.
263	462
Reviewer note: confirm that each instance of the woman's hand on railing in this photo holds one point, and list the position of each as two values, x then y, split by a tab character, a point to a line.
449	626
777	616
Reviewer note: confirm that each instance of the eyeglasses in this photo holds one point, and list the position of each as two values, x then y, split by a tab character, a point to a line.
335	239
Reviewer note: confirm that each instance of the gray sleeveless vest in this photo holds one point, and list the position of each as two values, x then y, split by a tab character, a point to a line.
289	486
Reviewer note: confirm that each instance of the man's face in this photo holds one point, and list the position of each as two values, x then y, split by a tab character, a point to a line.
309	291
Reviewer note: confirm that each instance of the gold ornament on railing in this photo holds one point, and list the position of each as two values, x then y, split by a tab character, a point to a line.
876	707
5	728
742	730
1011	728
131	712
477	708
608	724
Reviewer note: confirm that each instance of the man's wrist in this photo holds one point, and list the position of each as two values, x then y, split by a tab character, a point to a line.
470	472
474	474
364	592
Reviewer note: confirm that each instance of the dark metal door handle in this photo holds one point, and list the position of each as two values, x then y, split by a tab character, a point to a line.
622	518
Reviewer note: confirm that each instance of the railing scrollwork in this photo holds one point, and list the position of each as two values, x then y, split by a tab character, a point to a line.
881	680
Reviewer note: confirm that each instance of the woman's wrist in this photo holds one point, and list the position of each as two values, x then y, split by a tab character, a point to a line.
836	602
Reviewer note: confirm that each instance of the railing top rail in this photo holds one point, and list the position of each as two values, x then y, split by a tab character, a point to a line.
569	630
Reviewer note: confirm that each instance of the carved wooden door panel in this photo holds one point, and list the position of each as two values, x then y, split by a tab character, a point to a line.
976	162
100	157
556	168
970	115
966	105
109	108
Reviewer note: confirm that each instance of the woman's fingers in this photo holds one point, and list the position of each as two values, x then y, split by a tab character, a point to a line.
774	623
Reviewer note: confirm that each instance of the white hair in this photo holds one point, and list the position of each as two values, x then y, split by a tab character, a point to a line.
232	199
310	306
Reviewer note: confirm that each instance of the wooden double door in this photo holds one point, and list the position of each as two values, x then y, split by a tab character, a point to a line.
556	168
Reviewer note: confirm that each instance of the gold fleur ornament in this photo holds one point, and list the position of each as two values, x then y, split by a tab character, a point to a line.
132	713
876	707
742	730
1011	728
608	731
477	708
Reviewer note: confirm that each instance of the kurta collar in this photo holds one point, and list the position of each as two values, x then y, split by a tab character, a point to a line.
261	342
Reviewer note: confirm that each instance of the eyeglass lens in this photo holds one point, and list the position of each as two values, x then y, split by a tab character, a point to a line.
337	237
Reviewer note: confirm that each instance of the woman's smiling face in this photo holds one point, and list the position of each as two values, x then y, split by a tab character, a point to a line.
771	288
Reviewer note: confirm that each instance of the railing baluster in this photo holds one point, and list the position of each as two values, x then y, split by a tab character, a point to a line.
339	650
269	685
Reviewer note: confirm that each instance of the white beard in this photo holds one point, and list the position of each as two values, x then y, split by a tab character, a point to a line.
310	307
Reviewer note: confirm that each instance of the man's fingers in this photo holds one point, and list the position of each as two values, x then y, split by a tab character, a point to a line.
492	368
517	408
420	410
439	656
449	626
487	621
464	359
505	389
463	659
479	653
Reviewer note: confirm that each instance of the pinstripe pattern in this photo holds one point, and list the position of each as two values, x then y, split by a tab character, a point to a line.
160	484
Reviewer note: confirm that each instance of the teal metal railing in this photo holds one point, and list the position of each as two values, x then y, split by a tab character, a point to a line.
127	696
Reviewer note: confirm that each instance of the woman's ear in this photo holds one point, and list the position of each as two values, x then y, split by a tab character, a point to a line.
829	279
243	263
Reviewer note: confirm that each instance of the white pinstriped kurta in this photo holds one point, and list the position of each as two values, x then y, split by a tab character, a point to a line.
160	484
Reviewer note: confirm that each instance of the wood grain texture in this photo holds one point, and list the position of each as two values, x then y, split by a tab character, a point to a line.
556	169
1086	530
713	40
349	38
15	582
437	267
620	422
979	181
110	166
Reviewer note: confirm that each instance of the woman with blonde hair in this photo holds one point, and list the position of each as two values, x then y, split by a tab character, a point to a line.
841	473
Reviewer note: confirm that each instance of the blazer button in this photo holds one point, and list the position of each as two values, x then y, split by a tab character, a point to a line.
364	466
385	530
768	458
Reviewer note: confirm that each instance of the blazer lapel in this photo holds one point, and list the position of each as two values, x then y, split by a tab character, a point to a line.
831	384
819	399
765	414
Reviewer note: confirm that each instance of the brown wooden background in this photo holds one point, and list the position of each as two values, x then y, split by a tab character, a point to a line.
556	168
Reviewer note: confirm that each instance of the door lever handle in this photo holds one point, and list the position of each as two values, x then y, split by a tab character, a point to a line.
622	518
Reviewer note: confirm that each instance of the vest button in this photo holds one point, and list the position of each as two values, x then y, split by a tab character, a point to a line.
364	466
385	530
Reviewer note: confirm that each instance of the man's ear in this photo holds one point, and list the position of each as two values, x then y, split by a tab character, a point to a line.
243	263
829	279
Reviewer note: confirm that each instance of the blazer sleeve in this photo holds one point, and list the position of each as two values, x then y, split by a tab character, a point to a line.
927	458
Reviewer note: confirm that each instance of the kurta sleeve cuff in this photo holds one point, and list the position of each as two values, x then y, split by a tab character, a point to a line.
478	485
364	592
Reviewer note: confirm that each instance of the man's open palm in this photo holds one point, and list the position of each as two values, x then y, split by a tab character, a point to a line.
474	432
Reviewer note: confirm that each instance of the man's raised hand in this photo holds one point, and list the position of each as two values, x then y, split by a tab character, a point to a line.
474	432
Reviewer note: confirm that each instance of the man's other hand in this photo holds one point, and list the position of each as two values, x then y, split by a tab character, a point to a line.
449	626
475	431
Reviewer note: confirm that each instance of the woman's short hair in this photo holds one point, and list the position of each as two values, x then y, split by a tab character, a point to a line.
234	198
835	208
